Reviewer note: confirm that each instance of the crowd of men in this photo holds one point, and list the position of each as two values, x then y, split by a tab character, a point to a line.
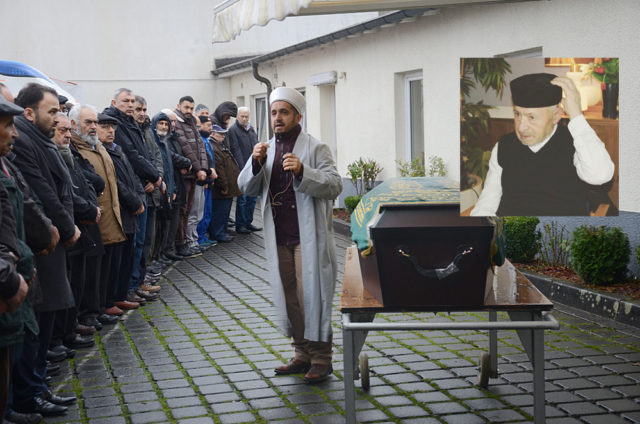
95	206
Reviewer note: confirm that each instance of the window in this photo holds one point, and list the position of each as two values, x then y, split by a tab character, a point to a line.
262	122
303	121
414	120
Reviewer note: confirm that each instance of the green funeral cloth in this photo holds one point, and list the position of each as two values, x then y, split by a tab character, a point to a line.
402	190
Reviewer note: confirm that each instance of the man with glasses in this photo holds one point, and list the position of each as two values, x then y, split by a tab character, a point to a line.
84	255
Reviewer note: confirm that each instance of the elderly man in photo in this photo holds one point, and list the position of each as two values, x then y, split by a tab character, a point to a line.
543	167
297	179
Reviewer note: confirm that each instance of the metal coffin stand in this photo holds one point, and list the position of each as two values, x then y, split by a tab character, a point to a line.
512	293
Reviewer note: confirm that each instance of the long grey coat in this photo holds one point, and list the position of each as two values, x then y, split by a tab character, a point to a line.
315	193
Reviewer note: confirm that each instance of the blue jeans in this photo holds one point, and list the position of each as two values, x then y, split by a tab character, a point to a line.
136	271
203	225
220	210
244	210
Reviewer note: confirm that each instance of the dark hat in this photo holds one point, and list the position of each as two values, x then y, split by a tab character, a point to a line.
62	99
9	109
535	90
204	119
103	118
217	128
200	107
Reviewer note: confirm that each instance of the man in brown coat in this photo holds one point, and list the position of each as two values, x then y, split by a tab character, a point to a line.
96	309
193	148
226	186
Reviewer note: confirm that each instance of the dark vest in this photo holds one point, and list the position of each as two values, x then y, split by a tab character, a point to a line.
540	183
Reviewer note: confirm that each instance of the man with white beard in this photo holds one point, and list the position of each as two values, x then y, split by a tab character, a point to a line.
97	307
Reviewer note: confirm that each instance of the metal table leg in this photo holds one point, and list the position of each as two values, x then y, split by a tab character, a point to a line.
349	386
533	342
493	346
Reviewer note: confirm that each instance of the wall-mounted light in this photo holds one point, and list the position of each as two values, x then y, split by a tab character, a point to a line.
324	78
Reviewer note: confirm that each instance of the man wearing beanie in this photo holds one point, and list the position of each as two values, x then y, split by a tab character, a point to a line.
544	168
297	179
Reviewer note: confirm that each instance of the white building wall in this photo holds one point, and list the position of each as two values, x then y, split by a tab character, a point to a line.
161	49
367	119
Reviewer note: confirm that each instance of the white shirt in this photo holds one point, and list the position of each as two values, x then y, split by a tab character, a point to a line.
591	159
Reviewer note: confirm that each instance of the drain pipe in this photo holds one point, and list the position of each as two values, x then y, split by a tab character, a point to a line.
266	82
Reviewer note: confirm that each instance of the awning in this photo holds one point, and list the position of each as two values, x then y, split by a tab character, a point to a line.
234	16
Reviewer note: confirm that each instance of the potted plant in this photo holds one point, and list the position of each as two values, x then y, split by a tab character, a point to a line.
474	117
605	70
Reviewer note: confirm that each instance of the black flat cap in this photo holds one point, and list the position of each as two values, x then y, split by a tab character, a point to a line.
103	118
535	90
62	99
9	109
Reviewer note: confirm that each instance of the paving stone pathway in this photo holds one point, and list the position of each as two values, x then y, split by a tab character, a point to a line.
205	353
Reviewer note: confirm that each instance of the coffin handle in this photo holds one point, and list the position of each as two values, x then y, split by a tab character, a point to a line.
463	253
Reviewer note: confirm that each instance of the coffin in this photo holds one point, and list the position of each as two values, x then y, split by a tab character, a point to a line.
427	256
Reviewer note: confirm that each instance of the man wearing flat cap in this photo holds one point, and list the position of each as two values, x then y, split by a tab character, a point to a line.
297	179
544	168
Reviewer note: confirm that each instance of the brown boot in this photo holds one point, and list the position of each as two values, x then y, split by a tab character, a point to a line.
318	373
294	366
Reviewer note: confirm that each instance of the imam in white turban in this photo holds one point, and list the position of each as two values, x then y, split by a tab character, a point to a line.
289	95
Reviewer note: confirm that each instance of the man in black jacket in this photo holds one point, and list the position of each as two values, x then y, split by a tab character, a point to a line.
83	258
242	137
131	140
37	157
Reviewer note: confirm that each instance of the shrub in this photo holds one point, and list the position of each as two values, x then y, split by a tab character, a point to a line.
599	255
363	174
554	246
351	202
521	238
415	168
437	167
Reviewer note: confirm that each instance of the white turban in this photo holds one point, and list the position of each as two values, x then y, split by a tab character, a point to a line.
289	95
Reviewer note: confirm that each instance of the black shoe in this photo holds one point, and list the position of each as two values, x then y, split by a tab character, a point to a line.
243	230
226	239
57	400
70	353
56	356
187	252
253	228
107	319
41	406
91	321
155	269
172	256
79	342
14	417
53	370
147	295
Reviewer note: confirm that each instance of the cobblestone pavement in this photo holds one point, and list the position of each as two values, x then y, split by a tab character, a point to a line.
205	353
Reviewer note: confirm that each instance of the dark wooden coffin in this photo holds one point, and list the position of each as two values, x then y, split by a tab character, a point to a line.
427	256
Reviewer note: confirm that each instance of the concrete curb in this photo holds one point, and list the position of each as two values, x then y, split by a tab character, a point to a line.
605	305
341	227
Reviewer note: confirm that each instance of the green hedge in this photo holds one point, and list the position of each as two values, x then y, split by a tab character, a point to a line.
351	202
521	238
599	255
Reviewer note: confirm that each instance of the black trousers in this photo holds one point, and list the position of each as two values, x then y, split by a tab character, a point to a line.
108	280
121	270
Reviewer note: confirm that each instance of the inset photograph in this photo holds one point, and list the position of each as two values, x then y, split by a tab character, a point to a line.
539	136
